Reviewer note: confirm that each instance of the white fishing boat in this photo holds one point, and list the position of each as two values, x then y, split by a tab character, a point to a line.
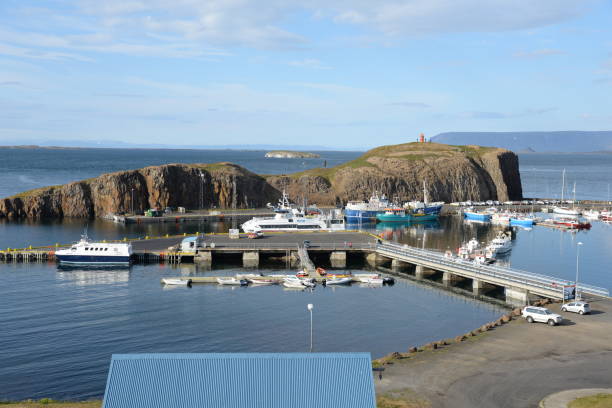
500	244
501	218
232	281
176	281
339	281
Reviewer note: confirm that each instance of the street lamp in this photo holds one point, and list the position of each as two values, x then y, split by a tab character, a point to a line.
310	307
201	190
132	201
576	297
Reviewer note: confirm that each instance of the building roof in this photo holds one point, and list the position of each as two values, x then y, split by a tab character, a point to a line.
232	380
189	239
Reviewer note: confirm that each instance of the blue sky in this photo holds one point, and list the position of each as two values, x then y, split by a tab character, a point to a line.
347	74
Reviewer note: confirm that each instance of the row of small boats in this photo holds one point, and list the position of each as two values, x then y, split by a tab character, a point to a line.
290	281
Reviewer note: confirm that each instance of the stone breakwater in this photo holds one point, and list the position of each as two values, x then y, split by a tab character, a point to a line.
441	344
451	173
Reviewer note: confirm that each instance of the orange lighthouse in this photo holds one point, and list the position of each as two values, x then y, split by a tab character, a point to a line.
421	138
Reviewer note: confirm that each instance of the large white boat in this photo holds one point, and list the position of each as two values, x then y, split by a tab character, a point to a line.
86	252
566	210
289	218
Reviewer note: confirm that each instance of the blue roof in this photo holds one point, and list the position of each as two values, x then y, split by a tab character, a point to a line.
189	239
232	380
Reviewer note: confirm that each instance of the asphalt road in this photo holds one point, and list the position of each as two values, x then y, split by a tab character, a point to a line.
513	366
270	239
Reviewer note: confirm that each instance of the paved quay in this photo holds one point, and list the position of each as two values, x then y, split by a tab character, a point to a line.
317	240
513	366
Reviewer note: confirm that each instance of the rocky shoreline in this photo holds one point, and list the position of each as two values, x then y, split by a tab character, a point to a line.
451	173
290	154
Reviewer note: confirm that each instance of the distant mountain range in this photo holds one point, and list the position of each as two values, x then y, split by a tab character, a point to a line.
525	142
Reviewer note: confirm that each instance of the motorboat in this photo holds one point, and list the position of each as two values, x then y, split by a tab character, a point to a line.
372	281
86	252
262	281
362	277
232	281
473	215
591	214
394	215
176	281
501	244
424	210
338	281
566	211
571	223
295	282
522	221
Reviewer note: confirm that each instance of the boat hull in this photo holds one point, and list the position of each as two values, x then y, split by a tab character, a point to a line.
521	222
477	216
93	260
424	217
356	215
394	218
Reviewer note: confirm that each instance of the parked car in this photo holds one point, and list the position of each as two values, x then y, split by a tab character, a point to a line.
306	244
541	314
577	307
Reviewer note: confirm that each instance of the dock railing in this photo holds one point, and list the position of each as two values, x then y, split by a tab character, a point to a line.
532	279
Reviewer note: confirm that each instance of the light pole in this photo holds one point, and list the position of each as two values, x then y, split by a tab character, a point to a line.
576	297
201	190
132	201
310	307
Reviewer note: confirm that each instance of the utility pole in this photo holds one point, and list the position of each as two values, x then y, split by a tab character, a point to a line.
132	202
576	296
310	307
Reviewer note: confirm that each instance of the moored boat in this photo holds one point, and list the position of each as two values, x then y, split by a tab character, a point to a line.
338	281
471	214
394	215
522	221
232	281
363	211
176	281
86	252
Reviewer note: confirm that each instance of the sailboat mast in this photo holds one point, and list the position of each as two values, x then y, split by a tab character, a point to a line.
562	185
574	200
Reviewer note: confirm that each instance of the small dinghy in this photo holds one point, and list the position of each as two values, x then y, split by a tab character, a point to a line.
372	281
294	283
262	281
232	281
338	281
177	282
365	277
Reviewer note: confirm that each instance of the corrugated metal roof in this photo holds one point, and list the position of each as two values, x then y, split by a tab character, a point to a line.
232	380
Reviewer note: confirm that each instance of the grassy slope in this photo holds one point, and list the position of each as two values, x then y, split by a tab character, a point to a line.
593	401
407	151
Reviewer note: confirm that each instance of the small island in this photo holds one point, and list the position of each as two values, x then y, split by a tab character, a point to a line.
289	154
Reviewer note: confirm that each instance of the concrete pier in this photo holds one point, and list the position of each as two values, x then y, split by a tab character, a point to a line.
400	266
338	259
517	296
250	259
203	257
450	279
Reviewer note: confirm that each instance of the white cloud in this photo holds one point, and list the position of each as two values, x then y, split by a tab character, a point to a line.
312	63
198	28
538	53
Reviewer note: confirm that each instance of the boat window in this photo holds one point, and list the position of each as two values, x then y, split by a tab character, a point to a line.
106	249
87	249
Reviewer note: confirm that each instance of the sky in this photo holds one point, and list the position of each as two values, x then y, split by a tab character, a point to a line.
338	73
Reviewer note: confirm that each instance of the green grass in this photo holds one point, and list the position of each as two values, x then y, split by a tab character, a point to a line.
46	402
593	401
405	398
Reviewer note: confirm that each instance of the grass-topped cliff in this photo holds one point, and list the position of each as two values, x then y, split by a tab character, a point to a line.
451	173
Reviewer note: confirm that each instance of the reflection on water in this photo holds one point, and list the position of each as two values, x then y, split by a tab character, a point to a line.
94	275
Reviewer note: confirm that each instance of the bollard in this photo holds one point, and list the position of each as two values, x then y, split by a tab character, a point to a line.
124	239
167	235
184	234
30	247
147	237
56	245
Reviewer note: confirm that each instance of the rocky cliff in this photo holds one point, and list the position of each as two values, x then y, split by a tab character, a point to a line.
170	185
451	173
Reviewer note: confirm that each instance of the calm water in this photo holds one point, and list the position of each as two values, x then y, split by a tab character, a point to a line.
60	327
26	169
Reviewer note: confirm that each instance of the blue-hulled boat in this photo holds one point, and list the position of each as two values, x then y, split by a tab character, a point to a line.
394	215
363	211
471	214
521	221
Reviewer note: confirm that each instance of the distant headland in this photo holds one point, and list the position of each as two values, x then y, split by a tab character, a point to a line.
451	173
290	154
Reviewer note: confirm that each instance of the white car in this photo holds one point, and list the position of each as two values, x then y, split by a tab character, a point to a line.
577	307
541	314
